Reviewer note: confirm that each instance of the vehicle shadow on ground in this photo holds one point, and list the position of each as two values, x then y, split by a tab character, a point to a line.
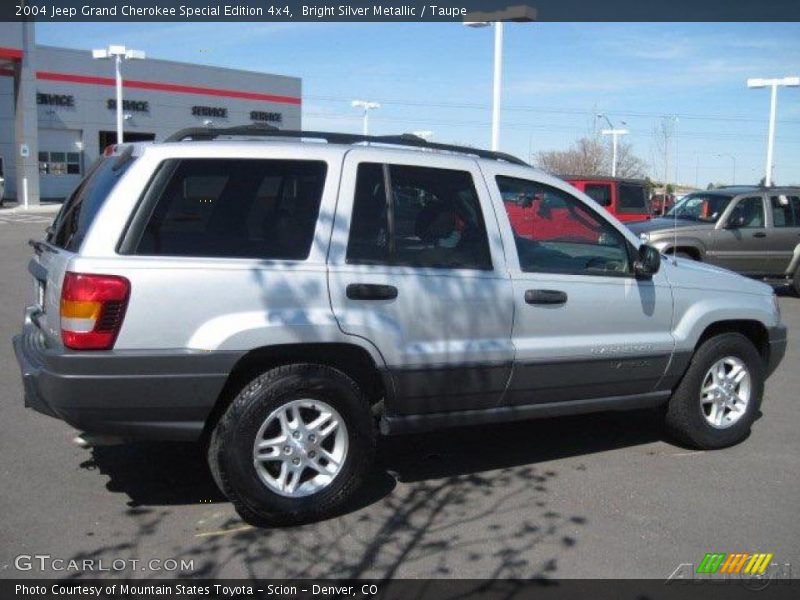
159	474
446	504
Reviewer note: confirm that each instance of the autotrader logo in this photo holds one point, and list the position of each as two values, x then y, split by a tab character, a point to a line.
756	563
754	570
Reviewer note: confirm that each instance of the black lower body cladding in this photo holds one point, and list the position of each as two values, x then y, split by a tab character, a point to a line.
143	395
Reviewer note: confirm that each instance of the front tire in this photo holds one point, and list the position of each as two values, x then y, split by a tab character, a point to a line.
294	445
718	398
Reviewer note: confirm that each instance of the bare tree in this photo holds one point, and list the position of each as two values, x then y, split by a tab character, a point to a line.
662	138
588	156
628	164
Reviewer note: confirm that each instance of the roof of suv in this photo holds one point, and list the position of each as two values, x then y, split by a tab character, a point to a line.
735	190
406	140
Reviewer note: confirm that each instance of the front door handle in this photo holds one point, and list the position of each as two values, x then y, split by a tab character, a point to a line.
545	297
371	291
759	234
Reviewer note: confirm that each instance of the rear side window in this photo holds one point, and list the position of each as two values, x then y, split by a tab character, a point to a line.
235	208
599	193
632	198
431	218
785	211
79	211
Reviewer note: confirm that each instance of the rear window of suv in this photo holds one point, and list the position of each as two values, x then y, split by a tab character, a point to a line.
80	209
632	198
235	208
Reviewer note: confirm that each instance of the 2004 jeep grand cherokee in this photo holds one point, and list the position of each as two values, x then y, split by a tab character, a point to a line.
283	300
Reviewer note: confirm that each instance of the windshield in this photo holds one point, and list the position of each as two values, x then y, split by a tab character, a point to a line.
707	208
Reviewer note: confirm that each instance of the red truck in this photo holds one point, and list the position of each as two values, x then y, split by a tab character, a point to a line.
626	199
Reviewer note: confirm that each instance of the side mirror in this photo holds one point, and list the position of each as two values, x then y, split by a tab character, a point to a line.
648	263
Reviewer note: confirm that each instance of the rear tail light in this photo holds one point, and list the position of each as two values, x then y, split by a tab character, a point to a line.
92	310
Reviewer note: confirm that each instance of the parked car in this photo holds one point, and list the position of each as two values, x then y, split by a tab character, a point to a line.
751	230
283	302
626	199
661	203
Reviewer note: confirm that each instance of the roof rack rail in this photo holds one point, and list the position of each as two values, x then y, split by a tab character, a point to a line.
405	139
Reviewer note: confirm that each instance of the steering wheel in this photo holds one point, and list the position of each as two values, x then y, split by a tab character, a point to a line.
597	262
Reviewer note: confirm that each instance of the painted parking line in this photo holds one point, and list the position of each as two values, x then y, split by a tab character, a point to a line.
24	218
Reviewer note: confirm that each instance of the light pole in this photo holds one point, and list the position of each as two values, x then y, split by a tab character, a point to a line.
675	133
614	133
118	54
497	77
366	106
518	14
733	159
773	85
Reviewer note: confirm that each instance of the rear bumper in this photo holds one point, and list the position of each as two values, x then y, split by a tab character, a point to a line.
135	395
777	347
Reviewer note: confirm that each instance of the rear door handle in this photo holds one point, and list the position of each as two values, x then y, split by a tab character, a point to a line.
759	234
371	291
545	297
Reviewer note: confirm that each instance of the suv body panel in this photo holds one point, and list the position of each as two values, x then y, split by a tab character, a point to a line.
446	338
567	353
455	346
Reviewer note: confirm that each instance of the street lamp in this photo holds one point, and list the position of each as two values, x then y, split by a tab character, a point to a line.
773	85
118	54
733	159
497	77
614	133
367	106
517	14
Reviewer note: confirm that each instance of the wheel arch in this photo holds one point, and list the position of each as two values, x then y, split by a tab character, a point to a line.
352	359
752	329
693	251
692	246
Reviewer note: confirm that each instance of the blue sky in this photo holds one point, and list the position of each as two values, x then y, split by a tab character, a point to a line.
431	76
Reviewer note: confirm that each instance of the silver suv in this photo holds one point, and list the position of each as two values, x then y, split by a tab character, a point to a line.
282	300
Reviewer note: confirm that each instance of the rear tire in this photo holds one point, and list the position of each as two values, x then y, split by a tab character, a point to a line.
691	412
684	255
282	404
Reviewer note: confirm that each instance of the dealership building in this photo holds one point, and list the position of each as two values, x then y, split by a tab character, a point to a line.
58	108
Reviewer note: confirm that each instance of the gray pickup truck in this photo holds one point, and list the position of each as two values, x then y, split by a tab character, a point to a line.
752	230
282	301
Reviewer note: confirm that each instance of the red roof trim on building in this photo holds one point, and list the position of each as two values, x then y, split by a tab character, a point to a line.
167	87
14	53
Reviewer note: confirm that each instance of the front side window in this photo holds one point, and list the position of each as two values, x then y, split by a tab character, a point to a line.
747	214
236	208
706	208
557	233
785	211
431	218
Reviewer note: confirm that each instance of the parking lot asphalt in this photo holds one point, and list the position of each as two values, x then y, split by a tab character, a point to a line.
592	496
